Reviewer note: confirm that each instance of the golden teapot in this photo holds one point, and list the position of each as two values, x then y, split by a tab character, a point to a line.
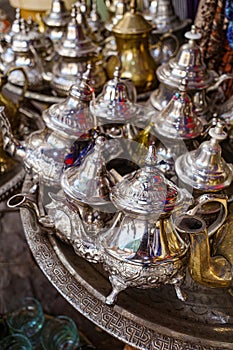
11	110
133	53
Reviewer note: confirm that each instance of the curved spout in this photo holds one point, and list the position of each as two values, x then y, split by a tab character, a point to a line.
10	144
219	80
214	272
23	201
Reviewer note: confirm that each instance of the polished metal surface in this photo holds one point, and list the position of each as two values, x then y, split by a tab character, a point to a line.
75	50
178	119
205	169
117	103
56	20
43	151
158	316
187	63
132	40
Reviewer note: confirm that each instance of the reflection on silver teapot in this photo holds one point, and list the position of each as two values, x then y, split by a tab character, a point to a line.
29	49
187	63
56	20
44	151
75	51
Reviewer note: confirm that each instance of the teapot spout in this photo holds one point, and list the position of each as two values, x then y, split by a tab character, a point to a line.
213	272
219	80
21	200
11	145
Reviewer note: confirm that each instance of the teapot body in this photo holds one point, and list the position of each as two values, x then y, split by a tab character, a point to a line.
135	60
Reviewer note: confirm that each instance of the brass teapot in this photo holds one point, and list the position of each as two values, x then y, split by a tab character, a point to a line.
133	53
11	109
210	263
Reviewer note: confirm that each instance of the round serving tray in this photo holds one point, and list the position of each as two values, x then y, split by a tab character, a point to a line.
145	319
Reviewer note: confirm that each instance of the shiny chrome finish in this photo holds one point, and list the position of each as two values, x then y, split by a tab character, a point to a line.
56	20
178	119
204	169
117	104
87	189
75	51
145	237
44	151
187	63
177	128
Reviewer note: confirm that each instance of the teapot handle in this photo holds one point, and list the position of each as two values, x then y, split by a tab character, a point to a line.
25	86
199	209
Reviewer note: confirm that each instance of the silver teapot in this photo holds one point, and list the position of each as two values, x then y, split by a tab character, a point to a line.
44	151
56	20
177	128
187	63
75	50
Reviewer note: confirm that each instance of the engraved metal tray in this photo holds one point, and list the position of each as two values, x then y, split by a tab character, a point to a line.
145	319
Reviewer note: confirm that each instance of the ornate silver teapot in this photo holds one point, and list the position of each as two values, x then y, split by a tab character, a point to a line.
29	49
44	151
187	63
177	128
75	50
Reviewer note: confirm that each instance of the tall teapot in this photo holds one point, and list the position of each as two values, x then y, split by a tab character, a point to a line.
134	57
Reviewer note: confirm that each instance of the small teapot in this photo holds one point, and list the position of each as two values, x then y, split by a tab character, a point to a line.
44	150
22	54
87	188
209	264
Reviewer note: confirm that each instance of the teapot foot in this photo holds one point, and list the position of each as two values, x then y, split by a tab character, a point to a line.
117	287
181	295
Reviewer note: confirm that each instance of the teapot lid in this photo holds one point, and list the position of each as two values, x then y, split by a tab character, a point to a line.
115	103
15	27
187	63
132	22
204	168
75	43
20	41
178	118
58	15
145	192
72	116
90	182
